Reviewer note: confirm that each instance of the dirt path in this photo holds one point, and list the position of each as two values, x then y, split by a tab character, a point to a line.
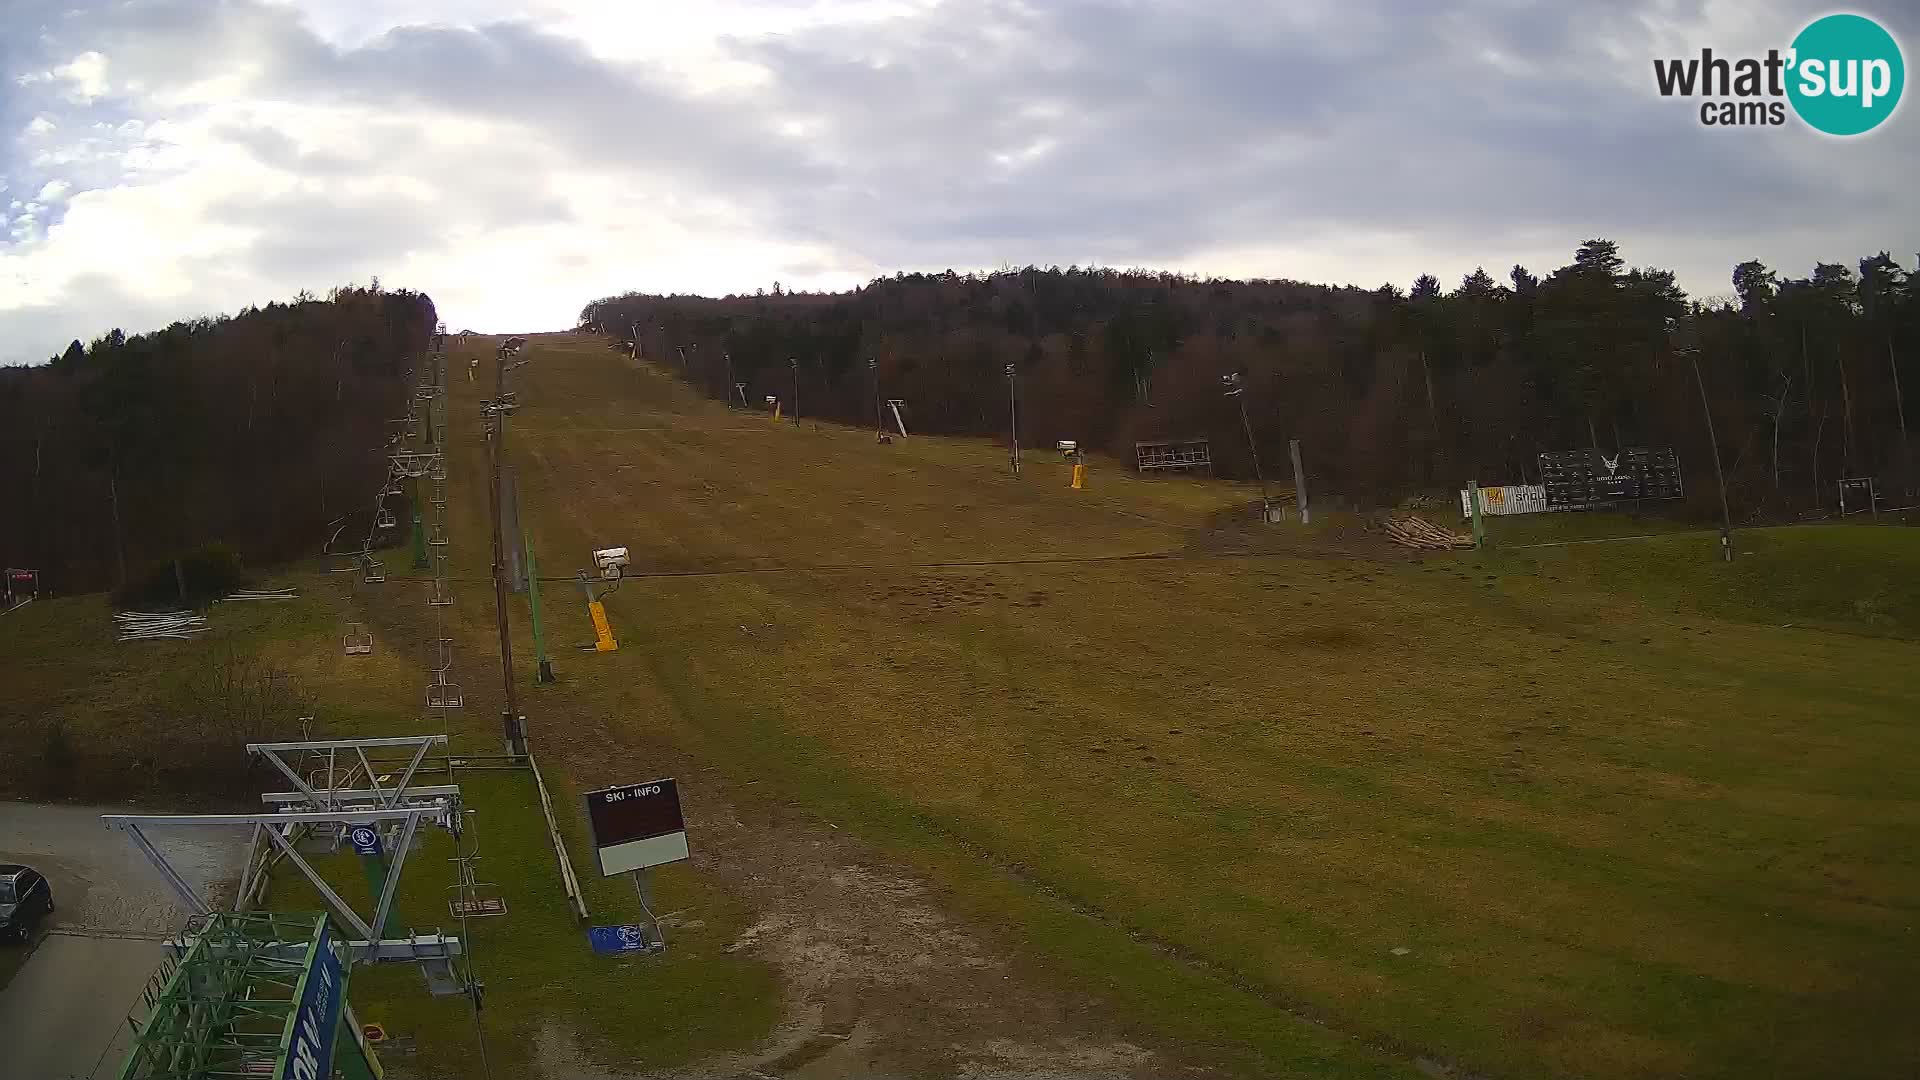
880	980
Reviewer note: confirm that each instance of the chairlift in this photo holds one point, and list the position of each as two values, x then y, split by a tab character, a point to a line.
383	519
373	572
357	641
444	695
437	534
440	597
440	655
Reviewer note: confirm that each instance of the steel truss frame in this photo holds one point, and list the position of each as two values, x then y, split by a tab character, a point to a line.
270	826
221	1008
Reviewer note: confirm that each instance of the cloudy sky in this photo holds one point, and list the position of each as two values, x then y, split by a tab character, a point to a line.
166	159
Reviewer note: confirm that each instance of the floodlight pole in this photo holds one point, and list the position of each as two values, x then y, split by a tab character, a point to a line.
1013	415
873	369
1726	518
1237	390
728	357
795	365
516	738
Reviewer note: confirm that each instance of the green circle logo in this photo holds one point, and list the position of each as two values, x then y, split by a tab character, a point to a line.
1847	75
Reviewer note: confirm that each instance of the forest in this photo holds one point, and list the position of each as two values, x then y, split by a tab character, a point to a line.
1391	392
250	431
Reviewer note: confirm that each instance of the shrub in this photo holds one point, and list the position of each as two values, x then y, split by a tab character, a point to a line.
191	579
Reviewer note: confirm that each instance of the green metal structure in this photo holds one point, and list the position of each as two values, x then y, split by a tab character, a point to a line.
226	1006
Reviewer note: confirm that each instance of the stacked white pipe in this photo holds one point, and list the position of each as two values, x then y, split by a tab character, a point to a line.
152	625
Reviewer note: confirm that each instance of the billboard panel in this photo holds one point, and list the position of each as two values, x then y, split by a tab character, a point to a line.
1577	478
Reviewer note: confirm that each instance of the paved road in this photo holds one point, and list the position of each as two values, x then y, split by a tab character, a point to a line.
64	997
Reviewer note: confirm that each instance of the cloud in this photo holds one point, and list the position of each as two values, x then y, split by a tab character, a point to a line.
516	161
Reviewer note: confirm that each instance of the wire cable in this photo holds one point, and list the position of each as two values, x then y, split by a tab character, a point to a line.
960	564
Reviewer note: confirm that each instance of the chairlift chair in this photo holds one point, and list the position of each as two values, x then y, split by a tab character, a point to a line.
357	641
444	695
437	534
383	519
440	597
440	655
373	573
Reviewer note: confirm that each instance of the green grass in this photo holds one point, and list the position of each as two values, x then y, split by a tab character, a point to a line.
535	962
1525	529
1854	578
119	703
1621	821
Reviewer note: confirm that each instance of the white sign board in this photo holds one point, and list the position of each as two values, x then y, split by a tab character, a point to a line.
1507	499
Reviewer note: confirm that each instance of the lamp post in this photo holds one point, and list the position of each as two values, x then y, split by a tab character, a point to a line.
1236	389
873	370
1726	518
1013	414
795	365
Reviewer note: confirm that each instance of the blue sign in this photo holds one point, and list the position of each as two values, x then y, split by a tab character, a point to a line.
310	1047
365	839
609	940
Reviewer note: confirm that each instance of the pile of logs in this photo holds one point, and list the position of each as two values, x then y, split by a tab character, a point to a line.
1415	531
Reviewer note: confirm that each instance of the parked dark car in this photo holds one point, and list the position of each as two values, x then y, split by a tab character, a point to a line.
25	899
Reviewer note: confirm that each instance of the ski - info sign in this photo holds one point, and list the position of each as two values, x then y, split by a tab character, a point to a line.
636	826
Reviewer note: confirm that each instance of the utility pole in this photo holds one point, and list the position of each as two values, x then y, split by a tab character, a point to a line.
510	719
1013	414
873	369
1236	389
728	357
1726	518
795	365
